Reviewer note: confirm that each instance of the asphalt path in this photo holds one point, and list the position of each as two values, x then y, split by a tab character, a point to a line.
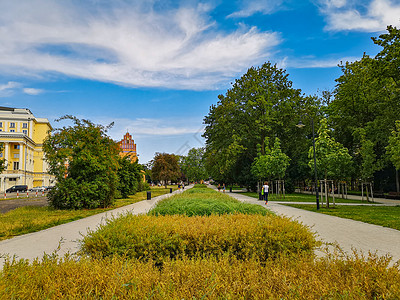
66	238
348	234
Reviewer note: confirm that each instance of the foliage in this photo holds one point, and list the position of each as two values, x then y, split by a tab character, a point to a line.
368	158
387	216
271	165
193	165
204	202
177	236
332	158
165	167
84	160
129	176
393	148
351	277
261	104
2	160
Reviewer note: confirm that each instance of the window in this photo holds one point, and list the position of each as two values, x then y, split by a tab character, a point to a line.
12	179
1	154
16	146
16	165
16	155
12	125
25	132
12	130
24	125
1	124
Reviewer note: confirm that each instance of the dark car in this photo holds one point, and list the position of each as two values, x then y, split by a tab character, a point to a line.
17	188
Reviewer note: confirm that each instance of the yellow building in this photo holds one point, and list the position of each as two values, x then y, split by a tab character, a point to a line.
22	136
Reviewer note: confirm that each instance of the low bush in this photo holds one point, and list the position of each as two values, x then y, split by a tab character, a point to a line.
164	237
204	202
226	278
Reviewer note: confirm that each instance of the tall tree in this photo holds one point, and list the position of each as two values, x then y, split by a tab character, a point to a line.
165	167
261	104
85	161
129	176
193	165
393	150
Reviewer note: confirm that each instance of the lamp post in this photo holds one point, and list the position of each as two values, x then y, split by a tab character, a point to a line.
301	125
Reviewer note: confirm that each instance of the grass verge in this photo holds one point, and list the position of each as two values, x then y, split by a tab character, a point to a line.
32	218
387	216
299	198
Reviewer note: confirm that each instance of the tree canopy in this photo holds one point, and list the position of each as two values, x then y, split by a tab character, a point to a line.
85	162
165	167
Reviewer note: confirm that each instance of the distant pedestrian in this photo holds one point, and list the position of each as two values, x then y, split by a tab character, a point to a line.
223	188
219	187
179	186
265	189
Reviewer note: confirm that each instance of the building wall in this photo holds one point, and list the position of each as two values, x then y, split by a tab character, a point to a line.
128	147
22	135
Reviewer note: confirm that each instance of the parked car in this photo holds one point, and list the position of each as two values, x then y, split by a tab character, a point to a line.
38	189
17	188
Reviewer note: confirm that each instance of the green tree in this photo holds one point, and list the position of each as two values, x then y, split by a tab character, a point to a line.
85	162
393	150
129	176
165	167
271	165
261	104
332	158
193	165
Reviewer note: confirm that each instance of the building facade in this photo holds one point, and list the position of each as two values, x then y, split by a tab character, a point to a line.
22	136
127	147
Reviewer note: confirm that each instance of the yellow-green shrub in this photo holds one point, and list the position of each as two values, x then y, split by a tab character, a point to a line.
158	238
225	278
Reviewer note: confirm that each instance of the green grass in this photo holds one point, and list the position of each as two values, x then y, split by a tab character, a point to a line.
300	198
387	216
204	202
33	218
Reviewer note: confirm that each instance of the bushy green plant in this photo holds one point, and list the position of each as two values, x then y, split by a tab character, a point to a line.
204	202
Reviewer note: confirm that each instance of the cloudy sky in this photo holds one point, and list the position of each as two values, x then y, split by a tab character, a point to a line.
155	67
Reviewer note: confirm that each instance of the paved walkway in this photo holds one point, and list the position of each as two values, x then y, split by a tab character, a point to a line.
348	234
65	238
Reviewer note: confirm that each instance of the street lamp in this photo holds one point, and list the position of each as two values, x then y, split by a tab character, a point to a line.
301	125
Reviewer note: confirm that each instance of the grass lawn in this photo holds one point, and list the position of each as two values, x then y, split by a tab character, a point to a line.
32	218
300	198
387	216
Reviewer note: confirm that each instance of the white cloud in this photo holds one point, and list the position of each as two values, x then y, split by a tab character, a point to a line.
371	16
313	63
251	7
9	88
131	45
32	91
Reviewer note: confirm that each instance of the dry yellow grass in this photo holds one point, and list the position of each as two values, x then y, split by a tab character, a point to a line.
225	278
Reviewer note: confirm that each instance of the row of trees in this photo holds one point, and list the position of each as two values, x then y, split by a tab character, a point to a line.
87	166
357	135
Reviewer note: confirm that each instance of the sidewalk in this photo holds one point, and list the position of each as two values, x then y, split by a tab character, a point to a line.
65	238
348	234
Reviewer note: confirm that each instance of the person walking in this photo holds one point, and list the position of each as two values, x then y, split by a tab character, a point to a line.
219	187
265	188
223	188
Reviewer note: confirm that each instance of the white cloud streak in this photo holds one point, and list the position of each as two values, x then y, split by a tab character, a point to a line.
131	45
251	7
368	16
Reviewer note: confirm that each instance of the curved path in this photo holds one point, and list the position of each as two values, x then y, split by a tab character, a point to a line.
65	238
348	234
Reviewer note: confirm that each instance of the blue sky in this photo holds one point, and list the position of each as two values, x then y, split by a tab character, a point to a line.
154	68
